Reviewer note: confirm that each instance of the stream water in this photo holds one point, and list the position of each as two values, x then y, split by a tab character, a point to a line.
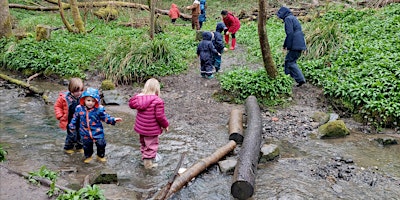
30	134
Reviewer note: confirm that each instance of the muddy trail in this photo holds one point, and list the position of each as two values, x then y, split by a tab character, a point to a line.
191	108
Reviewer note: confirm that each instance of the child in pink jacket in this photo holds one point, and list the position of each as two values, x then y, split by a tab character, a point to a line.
150	120
174	13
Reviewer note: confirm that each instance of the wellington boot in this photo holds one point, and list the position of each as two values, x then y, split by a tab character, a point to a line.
233	44
88	160
101	159
226	39
148	164
69	151
80	151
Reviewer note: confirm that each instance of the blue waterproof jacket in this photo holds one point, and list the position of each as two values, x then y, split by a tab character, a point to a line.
206	49
90	125
218	40
294	35
202	16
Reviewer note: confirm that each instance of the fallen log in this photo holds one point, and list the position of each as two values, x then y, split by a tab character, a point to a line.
97	4
33	89
200	166
236	126
246	168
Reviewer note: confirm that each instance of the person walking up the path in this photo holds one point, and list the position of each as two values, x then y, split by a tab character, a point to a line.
206	51
294	44
233	25
202	16
219	45
174	13
195	8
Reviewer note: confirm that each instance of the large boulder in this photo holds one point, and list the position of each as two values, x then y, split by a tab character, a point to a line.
333	129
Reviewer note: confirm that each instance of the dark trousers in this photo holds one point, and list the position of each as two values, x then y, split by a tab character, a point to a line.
72	140
195	22
88	146
206	67
291	66
217	62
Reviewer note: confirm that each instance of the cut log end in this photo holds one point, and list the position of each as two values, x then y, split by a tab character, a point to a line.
237	137
242	190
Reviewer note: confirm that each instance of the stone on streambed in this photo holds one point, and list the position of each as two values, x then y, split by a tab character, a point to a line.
334	129
227	166
105	176
113	97
386	141
269	152
114	192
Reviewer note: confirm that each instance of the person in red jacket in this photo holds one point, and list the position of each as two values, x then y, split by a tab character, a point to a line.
174	13
150	120
233	25
64	109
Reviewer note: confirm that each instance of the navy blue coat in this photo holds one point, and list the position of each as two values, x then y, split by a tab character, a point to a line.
218	41
206	49
294	35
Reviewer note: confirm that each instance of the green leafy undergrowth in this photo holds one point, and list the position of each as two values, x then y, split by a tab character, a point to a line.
3	154
43	172
243	82
364	72
88	192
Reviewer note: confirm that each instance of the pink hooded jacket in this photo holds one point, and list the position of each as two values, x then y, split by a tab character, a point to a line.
150	117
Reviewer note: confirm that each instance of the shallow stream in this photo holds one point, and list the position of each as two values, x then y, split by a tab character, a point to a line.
30	134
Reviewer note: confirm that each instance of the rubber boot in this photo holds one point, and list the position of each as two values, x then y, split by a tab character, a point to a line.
226	39
233	44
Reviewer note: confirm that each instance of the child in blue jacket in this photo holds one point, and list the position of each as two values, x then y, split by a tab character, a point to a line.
90	114
218	44
206	51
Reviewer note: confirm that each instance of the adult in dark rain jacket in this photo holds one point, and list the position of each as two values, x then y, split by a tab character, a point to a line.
294	43
206	51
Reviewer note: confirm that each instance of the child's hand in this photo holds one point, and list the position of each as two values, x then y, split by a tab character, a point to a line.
118	119
227	33
166	129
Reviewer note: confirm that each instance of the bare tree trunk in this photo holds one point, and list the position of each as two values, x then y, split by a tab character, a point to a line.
262	34
66	23
5	19
152	18
77	16
246	168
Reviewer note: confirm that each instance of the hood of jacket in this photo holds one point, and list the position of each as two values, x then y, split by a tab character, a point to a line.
283	12
142	102
207	35
174	6
90	92
220	27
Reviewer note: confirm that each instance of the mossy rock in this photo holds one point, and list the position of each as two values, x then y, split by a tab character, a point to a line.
334	129
107	85
320	117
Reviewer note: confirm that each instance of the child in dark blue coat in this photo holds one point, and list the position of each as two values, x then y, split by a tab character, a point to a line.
206	51
218	44
294	43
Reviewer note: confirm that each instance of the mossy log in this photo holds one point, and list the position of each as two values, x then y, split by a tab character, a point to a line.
246	168
97	4
33	89
200	166
236	126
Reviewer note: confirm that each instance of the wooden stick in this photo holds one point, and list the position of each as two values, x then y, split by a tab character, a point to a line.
200	166
163	193
236	126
